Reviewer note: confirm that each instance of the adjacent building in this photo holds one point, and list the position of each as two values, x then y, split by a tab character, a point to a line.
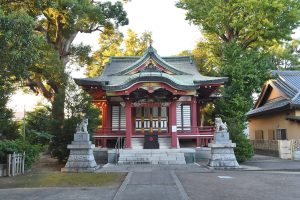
276	114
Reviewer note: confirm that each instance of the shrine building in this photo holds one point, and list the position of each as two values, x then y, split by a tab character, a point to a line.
149	95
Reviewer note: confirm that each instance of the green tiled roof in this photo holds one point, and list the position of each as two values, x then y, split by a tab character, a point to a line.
185	73
289	83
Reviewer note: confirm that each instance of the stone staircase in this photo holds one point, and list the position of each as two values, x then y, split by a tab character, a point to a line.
137	143
164	143
151	156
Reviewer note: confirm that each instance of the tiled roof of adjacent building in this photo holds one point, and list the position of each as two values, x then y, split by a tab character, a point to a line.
288	82
121	72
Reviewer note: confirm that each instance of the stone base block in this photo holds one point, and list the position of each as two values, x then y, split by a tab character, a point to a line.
223	158
222	145
296	155
202	153
222	151
81	158
223	164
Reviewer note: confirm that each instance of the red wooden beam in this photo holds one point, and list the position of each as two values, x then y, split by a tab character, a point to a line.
145	84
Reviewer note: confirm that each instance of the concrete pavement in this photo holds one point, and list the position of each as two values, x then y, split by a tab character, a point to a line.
241	185
261	162
267	180
149	182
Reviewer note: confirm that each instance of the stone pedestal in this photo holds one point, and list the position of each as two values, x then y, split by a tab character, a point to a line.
222	154
81	158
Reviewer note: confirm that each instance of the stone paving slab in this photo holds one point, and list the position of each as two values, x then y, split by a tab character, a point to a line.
154	184
150	192
152	178
146	167
152	181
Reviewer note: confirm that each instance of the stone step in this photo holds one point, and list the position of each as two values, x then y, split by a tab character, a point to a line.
151	156
151	159
171	162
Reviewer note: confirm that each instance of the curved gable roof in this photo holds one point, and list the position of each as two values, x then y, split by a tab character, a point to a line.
288	82
179	71
151	53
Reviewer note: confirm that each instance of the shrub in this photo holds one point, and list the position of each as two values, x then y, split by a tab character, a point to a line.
19	146
38	126
244	149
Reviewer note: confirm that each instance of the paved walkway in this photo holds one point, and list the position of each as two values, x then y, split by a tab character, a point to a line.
145	182
193	181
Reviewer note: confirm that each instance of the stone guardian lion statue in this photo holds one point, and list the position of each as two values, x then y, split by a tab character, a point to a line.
219	125
82	126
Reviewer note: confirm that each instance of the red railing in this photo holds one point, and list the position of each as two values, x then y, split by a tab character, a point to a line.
203	134
110	132
196	130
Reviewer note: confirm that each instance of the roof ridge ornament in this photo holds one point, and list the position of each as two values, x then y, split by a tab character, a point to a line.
150	49
151	53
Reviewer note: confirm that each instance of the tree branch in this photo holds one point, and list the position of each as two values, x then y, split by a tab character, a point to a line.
41	29
90	30
48	28
37	87
224	38
248	42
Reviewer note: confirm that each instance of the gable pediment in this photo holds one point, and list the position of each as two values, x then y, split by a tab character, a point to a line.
270	94
151	61
150	65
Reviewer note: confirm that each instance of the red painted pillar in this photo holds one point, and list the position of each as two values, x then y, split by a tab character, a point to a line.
104	115
108	115
173	124
128	124
194	114
104	143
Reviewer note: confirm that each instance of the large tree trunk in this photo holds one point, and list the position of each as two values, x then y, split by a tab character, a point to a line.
58	107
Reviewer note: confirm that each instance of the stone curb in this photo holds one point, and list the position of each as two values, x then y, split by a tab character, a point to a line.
123	186
183	194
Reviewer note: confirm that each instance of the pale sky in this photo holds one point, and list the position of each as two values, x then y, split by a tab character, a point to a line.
171	34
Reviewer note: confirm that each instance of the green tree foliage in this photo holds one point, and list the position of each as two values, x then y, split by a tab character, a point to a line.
247	70
38	125
248	23
58	22
19	146
8	127
287	55
238	40
17	52
113	43
78	104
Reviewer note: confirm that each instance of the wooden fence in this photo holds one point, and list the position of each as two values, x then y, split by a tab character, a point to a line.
15	164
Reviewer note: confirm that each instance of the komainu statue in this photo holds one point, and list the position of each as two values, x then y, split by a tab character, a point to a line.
82	126
219	125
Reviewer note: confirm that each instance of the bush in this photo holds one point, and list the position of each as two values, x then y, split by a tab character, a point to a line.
244	149
19	146
58	146
38	126
8	127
